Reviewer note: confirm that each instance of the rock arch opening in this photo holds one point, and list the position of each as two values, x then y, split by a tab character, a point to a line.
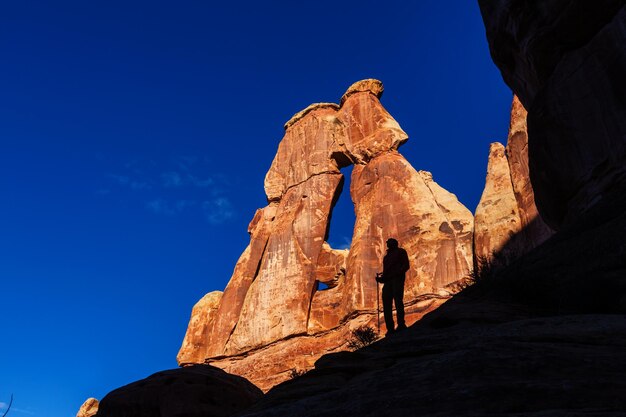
342	218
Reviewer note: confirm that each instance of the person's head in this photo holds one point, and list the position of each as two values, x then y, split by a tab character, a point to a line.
392	243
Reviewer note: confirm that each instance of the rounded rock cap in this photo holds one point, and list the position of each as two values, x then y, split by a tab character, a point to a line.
309	109
369	85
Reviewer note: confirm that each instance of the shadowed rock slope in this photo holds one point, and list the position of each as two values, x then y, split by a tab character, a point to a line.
472	357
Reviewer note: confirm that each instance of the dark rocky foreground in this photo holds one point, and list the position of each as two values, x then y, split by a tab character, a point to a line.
472	357
545	336
199	390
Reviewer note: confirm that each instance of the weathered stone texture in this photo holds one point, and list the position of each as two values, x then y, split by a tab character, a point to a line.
507	222
273	307
535	230
370	128
497	224
197	338
272	364
277	302
244	274
393	200
306	149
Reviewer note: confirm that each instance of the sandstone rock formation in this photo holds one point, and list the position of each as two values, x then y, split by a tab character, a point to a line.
565	59
272	318
199	390
497	222
534	230
89	408
194	348
507	223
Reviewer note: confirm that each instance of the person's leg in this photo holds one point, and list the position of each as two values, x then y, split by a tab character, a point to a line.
398	297
387	306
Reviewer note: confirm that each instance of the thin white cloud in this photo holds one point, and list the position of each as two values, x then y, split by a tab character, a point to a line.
171	179
4	406
346	242
132	183
174	179
162	206
183	204
218	210
202	183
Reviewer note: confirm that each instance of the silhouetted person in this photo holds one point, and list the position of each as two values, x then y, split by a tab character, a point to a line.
395	265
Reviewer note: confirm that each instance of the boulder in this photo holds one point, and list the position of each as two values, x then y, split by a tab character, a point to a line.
193	391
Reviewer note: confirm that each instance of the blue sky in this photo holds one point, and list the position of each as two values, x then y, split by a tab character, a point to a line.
135	137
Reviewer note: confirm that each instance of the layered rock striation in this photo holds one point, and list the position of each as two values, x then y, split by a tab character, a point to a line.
272	318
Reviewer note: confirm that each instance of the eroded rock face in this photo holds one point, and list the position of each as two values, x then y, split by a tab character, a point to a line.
507	223
565	59
273	317
195	343
535	230
394	200
497	222
198	390
277	303
89	408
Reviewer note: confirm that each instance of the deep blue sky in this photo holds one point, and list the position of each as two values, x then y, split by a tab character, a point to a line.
135	140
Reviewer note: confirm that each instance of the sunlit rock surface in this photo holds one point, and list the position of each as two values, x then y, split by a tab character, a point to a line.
273	317
497	220
196	341
89	408
507	223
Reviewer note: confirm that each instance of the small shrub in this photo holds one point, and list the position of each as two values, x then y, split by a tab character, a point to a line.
486	268
295	373
361	337
483	270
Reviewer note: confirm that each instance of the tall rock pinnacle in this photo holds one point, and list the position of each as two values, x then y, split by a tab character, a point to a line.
507	223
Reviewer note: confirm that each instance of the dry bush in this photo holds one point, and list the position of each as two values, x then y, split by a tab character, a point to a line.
361	337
